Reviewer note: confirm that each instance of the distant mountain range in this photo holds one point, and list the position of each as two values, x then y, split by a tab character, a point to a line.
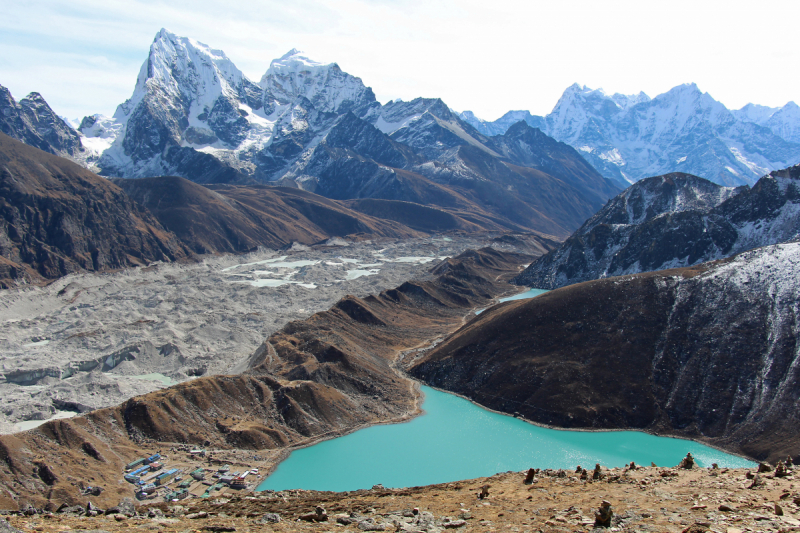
628	138
312	126
675	220
57	217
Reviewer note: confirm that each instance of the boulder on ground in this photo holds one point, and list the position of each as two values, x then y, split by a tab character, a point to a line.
319	515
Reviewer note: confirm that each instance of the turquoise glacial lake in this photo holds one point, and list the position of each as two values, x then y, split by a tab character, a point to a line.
455	439
530	293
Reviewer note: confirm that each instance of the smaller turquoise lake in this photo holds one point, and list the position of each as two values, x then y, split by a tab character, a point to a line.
455	439
531	293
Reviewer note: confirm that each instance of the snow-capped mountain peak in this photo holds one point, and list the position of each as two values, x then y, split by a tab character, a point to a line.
783	121
186	69
625	101
631	137
294	61
326	86
754	113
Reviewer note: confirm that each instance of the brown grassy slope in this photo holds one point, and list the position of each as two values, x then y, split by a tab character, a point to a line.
620	353
57	217
225	218
319	377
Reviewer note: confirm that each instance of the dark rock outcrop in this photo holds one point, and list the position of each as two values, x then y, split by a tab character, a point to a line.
33	122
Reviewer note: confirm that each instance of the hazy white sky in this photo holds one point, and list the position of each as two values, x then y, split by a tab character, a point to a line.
486	56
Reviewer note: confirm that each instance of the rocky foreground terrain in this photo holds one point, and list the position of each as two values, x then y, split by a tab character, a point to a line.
642	499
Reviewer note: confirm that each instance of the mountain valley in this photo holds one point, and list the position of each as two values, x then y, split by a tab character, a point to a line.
313	378
248	268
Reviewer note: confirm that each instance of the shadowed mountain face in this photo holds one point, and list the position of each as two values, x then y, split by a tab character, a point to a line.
57	218
672	221
33	122
706	352
318	377
242	218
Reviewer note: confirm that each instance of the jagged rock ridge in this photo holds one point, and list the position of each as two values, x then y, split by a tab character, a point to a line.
673	221
33	122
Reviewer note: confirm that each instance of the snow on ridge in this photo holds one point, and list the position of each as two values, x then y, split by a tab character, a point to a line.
294	61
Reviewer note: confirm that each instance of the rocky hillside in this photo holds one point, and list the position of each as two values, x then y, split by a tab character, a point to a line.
706	352
316	378
673	221
632	137
57	218
33	122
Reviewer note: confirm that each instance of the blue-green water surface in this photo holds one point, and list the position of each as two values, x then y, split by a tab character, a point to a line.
530	293
455	439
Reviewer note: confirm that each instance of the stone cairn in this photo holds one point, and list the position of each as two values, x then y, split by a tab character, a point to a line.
687	462
603	515
530	475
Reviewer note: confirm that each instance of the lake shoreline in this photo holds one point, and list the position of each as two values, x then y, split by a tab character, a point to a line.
461	440
415	386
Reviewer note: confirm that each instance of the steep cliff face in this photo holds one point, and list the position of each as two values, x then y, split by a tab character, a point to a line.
57	217
706	352
672	221
33	122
